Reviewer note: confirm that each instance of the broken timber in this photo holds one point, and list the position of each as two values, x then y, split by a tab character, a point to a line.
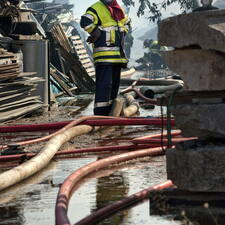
77	72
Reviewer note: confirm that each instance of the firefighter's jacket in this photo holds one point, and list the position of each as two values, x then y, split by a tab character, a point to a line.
108	48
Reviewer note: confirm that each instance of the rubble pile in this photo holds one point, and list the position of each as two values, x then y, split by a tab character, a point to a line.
68	52
47	36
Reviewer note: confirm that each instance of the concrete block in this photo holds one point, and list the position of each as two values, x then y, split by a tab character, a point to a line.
197	167
205	29
200	120
201	70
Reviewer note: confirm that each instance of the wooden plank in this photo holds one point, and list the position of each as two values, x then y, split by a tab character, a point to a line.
65	78
77	42
27	81
64	37
85	56
62	93
29	37
11	98
88	65
75	37
90	70
7	79
5	61
59	35
7	56
18	112
10	73
64	86
3	66
18	104
27	74
84	61
92	73
81	52
77	46
4	70
17	90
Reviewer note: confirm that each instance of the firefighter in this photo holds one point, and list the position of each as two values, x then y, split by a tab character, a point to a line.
107	25
206	5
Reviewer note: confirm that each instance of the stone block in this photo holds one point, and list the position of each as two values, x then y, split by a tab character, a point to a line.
201	70
205	29
197	167
200	120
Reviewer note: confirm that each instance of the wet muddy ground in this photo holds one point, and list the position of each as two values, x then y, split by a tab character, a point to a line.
32	202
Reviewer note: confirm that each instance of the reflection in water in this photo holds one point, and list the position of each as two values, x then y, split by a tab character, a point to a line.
12	214
24	187
110	189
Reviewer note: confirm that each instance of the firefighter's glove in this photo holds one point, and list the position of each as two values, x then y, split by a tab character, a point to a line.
94	36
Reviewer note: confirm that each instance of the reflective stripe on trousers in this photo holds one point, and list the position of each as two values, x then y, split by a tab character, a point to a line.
107	86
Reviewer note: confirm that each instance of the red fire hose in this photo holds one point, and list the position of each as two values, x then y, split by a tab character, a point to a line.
158	141
149	100
174	133
7	158
66	188
105	212
107	121
92	122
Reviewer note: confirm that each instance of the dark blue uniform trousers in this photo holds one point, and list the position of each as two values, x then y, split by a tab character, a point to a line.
106	88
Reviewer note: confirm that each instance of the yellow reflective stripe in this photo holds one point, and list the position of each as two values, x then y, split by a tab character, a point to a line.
94	15
106	53
108	28
90	28
103	49
107	38
112	60
110	24
91	17
112	37
103	104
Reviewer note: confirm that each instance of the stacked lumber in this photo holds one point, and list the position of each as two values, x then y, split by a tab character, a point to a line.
16	88
77	72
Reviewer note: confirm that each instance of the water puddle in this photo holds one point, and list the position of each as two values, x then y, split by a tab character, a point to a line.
33	201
